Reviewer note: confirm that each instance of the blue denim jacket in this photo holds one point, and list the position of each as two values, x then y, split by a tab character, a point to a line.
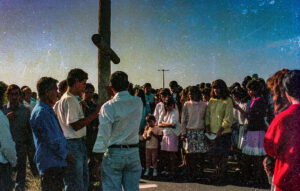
50	143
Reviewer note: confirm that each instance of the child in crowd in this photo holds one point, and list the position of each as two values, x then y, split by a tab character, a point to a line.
164	93
151	135
168	121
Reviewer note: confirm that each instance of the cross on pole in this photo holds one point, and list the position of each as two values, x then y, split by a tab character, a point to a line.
163	71
105	53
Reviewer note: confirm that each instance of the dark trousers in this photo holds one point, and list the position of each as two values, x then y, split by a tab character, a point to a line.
24	150
52	179
5	177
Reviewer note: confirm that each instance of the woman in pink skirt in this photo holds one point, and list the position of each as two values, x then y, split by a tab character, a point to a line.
169	145
253	149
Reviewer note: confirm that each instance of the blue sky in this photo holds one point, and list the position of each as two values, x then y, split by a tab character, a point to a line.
197	40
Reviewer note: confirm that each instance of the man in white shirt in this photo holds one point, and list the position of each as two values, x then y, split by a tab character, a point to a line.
73	123
118	138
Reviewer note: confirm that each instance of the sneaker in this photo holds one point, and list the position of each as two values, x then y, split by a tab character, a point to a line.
146	172
164	172
154	172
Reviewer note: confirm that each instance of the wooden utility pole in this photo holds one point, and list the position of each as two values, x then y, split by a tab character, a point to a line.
163	71
104	68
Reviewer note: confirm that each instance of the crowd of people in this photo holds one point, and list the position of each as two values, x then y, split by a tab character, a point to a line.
69	138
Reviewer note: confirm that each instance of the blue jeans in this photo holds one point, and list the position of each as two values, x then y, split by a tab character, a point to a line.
5	177
121	168
77	178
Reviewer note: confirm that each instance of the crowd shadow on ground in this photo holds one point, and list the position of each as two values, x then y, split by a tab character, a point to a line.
206	176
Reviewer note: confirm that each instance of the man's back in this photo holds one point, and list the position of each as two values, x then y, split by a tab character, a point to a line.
119	121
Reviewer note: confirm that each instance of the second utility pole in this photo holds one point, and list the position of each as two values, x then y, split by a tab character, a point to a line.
163	71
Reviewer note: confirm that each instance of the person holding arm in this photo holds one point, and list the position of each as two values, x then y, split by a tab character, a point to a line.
253	149
73	123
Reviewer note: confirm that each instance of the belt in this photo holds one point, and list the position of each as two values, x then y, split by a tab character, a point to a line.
124	146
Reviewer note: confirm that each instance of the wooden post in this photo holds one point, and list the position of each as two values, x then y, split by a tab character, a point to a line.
104	68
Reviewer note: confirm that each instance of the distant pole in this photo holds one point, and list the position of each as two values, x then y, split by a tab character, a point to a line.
163	71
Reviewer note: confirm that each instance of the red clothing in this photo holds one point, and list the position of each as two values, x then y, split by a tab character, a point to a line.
282	141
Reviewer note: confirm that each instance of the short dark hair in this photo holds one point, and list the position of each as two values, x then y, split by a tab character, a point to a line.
170	101
254	85
291	83
74	74
195	93
224	92
119	81
89	86
150	117
44	84
165	92
146	85
173	84
10	88
62	86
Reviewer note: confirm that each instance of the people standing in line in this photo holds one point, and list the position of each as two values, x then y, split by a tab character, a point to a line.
192	132
73	123
149	98
52	156
218	120
118	138
151	135
254	149
19	116
8	155
168	121
282	138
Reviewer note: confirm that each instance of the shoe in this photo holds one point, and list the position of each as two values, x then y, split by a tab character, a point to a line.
164	172
146	172
154	172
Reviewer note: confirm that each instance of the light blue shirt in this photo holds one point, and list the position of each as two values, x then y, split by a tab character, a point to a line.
119	122
7	145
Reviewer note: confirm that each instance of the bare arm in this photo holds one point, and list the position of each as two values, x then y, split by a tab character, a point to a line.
85	121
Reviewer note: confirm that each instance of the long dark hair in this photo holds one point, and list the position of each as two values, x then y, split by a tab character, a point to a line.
220	84
276	87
